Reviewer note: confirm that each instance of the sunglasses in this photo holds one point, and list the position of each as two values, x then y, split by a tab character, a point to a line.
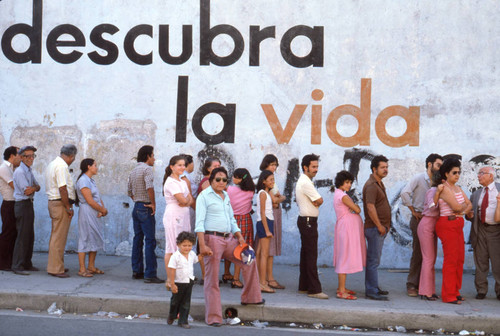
223	179
456	172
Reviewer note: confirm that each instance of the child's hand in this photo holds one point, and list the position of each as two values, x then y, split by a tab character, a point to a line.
269	234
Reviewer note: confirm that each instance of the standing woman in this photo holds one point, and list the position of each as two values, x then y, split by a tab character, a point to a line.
178	199
241	196
265	228
449	228
428	242
349	247
210	164
90	226
270	162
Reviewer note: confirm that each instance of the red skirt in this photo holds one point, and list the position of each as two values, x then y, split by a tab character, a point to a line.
246	226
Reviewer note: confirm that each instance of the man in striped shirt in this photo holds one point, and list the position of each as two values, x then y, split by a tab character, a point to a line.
141	190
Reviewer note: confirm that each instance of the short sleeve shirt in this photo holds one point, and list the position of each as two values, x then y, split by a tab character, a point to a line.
305	194
56	176
183	267
374	193
139	181
6	173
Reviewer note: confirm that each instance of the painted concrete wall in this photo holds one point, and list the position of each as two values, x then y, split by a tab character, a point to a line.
435	63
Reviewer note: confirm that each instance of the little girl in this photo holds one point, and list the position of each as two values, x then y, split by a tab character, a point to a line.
180	278
265	228
241	196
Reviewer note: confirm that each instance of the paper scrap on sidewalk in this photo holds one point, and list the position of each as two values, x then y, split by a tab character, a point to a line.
19	309
53	310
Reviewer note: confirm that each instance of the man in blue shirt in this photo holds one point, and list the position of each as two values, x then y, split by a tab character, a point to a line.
25	186
218	236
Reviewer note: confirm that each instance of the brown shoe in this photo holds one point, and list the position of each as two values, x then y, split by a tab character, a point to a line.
412	292
60	275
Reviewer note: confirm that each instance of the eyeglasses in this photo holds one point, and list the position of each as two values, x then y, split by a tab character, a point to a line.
223	179
30	156
457	172
482	173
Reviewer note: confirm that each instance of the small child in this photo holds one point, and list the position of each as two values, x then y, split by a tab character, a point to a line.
180	278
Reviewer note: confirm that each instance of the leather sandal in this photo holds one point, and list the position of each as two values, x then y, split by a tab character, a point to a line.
95	271
348	291
227	277
236	283
85	274
346	296
266	289
275	284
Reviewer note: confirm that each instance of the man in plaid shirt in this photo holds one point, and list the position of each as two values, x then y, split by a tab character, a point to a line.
142	192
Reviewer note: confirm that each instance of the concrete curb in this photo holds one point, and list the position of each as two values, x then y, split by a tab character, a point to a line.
87	304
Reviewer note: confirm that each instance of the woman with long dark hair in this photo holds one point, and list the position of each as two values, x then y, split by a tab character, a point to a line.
241	196
90	226
270	163
453	204
178	199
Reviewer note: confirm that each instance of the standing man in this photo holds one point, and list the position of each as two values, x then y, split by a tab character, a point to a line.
309	201
413	196
12	159
377	224
61	194
485	232
25	186
142	192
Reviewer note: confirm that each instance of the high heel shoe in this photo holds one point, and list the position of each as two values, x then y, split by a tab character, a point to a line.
227	277
427	298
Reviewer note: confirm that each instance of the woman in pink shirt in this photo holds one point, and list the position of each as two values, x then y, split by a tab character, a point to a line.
241	196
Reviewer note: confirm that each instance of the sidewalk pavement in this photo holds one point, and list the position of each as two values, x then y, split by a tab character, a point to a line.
116	291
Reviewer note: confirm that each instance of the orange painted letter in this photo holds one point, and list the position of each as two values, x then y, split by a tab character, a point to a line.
283	136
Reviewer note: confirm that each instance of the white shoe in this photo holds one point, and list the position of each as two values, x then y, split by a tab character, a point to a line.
318	296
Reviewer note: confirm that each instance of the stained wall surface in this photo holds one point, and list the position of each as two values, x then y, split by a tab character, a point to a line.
343	79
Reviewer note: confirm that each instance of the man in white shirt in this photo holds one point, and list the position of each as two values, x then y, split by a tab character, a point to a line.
12	159
309	200
485	232
61	194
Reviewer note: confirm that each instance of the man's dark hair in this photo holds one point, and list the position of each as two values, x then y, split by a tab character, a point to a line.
341	177
188	159
184	235
12	150
376	161
307	159
432	158
215	171
144	152
69	150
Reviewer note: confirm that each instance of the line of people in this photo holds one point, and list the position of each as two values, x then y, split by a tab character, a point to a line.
221	217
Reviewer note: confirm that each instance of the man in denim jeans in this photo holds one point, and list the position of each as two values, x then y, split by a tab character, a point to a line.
142	192
377	224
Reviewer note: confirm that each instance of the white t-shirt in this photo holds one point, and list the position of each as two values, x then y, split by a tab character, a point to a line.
305	194
183	267
6	172
269	206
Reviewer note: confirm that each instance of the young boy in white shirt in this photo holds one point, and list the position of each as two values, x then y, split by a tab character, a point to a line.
180	278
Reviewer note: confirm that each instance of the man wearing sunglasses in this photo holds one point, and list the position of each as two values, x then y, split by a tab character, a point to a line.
25	186
485	232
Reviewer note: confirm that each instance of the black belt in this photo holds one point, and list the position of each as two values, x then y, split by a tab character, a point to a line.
218	234
308	218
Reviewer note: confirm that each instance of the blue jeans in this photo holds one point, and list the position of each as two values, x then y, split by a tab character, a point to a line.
144	227
375	243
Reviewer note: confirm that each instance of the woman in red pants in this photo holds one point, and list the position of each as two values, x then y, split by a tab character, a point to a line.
449	228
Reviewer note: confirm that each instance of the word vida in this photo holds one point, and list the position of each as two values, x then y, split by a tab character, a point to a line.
362	114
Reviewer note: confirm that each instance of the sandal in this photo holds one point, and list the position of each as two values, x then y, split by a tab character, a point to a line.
266	289
85	274
457	302
346	296
348	291
227	277
275	284
95	271
460	298
236	283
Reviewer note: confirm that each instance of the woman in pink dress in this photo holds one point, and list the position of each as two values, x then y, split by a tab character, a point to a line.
349	247
179	199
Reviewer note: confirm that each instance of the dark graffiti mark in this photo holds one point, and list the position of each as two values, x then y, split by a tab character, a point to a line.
352	161
211	151
292	175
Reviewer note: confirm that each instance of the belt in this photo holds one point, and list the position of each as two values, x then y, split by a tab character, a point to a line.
308	218
26	200
58	200
218	234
